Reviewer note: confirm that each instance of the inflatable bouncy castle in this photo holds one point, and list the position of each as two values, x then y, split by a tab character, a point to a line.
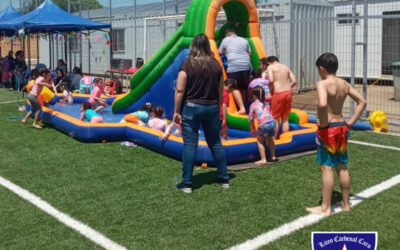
154	83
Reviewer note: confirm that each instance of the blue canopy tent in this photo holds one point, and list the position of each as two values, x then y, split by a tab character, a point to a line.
49	18
7	14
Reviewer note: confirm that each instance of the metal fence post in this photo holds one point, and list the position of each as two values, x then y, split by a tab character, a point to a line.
135	27
353	51
365	56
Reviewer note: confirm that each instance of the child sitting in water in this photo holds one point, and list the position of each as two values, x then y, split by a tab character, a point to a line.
157	122
95	100
261	111
67	95
140	117
89	115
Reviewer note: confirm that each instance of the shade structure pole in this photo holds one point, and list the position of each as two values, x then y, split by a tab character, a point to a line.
57	55
110	37
29	51
69	40
50	57
66	54
80	35
37	49
88	37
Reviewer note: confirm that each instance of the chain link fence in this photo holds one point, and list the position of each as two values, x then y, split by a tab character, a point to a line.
365	36
366	41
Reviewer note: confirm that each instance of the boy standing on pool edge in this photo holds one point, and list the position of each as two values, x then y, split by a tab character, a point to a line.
281	81
333	132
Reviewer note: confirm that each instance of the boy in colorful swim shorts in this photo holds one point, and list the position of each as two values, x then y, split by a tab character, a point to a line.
281	82
333	132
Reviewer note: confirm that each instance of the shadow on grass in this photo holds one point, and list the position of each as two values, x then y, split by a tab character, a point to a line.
207	178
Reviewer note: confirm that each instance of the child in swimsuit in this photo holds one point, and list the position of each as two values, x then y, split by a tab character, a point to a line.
261	111
333	132
89	115
95	100
68	99
157	122
229	85
257	80
44	79
141	116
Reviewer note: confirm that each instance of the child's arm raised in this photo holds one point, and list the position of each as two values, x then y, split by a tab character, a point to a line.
360	105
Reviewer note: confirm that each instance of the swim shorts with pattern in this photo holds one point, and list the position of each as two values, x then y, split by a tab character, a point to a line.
332	144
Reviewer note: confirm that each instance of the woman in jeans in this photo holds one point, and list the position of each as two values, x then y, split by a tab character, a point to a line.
198	94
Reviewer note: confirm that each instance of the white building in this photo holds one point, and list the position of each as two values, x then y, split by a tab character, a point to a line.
383	37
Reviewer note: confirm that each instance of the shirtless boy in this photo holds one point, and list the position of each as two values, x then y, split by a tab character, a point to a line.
333	130
281	81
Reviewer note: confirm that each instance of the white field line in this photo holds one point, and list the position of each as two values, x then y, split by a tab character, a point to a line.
8	102
311	219
374	145
78	226
385	133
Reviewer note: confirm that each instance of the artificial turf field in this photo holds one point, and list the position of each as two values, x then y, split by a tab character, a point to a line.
129	195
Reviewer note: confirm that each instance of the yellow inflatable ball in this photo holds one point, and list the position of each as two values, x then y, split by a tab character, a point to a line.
131	118
379	121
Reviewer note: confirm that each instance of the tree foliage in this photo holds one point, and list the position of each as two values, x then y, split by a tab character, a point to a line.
63	4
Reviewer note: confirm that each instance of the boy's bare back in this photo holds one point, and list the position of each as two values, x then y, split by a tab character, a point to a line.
279	75
332	93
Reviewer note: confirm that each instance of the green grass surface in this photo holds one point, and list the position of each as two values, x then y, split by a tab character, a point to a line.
377	138
129	194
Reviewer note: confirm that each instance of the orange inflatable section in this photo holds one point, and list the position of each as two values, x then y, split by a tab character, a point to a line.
216	5
131	118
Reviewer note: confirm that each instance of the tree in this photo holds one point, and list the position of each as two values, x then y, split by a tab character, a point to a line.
63	4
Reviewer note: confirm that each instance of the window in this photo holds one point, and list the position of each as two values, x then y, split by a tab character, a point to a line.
345	18
390	41
389	13
118	40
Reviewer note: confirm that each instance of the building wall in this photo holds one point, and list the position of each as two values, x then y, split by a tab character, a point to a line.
304	31
18	44
375	24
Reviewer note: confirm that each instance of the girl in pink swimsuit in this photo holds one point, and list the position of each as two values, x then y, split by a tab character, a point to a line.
95	100
44	79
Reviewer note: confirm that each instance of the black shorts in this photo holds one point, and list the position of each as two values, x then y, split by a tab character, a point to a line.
242	78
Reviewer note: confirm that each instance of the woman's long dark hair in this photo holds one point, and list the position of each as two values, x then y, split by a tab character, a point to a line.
200	53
